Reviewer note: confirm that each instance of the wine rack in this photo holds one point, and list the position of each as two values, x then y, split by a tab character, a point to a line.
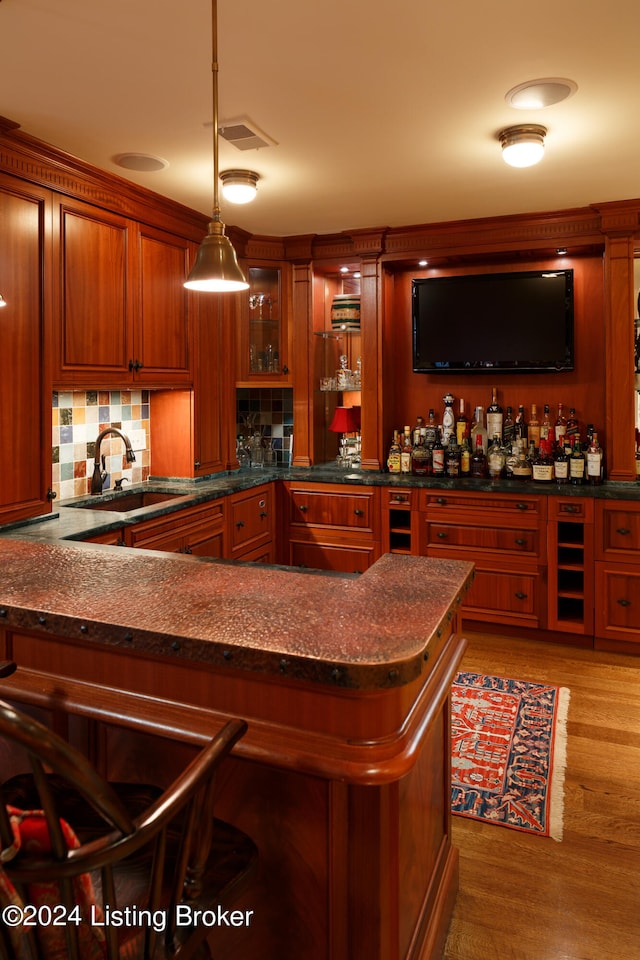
570	565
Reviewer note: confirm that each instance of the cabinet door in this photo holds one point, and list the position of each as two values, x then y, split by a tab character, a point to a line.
162	348
618	602
94	290
25	395
263	338
250	520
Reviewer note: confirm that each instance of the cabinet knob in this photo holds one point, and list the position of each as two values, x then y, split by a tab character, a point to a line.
569	508
263	514
188	549
197	464
624	603
359	513
522	506
441	500
442	535
623	531
520	595
240	523
285	369
302	508
521	541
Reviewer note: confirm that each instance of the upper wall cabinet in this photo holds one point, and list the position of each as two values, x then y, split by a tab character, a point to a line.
263	345
25	399
119	301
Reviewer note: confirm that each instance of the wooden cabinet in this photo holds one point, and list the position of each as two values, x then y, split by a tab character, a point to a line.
196	530
121	305
25	388
251	524
570	565
114	538
505	536
263	339
400	521
617	573
330	526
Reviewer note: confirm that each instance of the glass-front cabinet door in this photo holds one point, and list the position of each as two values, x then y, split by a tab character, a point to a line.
263	338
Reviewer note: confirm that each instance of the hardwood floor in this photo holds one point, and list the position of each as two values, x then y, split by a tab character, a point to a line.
529	898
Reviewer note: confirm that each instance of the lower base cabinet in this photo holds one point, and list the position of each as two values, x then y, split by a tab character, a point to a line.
196	530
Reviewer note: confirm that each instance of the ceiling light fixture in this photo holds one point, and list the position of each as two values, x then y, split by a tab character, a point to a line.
216	267
239	186
536	94
3	302
561	251
523	145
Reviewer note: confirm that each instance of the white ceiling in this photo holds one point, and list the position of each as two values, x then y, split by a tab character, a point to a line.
384	114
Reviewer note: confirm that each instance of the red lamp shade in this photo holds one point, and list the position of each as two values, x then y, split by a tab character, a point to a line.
345	420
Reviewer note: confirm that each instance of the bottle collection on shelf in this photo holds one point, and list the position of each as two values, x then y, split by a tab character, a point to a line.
502	446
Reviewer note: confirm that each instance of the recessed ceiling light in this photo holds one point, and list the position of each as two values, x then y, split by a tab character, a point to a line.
535	94
142	162
422	263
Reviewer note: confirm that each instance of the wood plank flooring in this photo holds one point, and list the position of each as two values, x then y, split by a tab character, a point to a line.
530	898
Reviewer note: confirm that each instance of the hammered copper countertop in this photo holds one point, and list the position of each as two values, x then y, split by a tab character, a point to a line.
369	631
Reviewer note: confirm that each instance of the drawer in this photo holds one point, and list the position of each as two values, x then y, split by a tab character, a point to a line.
350	511
570	508
618	531
617	602
328	556
483	504
497	594
250	518
520	542
399	499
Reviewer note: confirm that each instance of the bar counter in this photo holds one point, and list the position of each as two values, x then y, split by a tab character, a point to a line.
343	778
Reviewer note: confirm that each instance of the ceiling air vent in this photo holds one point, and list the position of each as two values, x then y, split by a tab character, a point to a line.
244	135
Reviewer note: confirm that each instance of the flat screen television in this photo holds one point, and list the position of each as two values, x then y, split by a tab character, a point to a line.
520	322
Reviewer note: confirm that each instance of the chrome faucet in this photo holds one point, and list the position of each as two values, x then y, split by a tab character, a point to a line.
99	473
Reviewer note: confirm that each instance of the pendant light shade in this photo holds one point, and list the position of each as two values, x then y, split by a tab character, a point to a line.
216	268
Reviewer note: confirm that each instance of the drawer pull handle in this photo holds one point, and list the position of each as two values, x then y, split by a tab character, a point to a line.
520	595
521	541
239	524
263	515
522	506
623	531
359	513
302	508
624	603
441	500
399	498
442	535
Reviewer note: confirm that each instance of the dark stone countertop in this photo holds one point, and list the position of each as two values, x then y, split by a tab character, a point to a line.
368	632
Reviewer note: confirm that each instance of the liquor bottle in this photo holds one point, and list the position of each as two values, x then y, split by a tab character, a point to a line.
452	460
465	458
416	430
494	415
462	425
560	425
577	464
448	421
420	461
393	457
437	454
561	461
594	460
508	427
542	466
534	427
545	426
432	428
478	427
495	458
479	460
573	427
522	466
521	426
406	451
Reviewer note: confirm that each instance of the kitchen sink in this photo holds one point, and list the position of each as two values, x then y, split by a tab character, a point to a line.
125	502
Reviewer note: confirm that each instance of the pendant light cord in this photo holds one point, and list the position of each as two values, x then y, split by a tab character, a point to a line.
214	74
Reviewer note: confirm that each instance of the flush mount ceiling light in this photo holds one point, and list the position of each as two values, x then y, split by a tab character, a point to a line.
536	94
523	145
239	186
216	268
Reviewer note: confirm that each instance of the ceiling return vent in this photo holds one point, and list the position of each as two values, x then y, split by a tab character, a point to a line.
244	134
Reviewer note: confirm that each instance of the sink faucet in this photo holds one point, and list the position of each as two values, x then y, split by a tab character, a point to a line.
99	474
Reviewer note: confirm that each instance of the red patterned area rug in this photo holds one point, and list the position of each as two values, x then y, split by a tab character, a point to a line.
509	752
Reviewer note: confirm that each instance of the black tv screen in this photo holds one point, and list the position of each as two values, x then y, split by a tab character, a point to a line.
493	321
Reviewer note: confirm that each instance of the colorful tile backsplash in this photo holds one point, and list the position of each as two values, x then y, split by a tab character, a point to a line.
78	418
271	409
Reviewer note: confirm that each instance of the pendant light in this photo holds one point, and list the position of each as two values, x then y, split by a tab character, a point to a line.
216	267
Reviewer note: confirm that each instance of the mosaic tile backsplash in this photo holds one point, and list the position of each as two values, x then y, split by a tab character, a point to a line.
78	418
272	411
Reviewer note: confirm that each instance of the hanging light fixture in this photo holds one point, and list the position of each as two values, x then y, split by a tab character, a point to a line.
216	267
239	186
523	145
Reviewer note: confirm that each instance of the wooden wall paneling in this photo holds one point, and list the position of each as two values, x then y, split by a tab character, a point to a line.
302	365
372	456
